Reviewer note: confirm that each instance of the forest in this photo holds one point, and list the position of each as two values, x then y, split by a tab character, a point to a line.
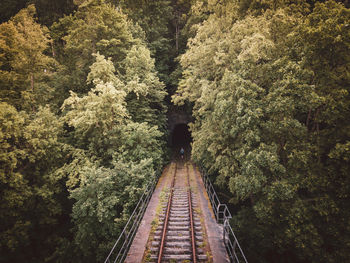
85	90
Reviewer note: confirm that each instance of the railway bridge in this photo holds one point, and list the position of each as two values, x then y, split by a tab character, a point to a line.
179	217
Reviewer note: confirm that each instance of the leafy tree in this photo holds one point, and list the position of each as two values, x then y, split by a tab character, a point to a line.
154	17
23	62
31	195
258	91
115	157
95	27
49	11
105	146
325	38
145	100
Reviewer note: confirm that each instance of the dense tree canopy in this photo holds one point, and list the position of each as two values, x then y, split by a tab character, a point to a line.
83	130
270	94
85	87
23	62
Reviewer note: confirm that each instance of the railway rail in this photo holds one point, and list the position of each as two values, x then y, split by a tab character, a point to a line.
179	236
178	225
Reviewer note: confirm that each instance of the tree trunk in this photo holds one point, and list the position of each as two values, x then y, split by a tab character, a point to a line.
32	88
52	50
177	31
308	119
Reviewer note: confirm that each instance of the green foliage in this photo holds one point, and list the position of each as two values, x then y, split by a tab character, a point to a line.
23	62
104	200
269	86
96	27
271	112
92	160
101	118
114	156
30	194
154	18
146	93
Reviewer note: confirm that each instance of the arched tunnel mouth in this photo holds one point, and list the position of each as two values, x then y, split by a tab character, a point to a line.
181	137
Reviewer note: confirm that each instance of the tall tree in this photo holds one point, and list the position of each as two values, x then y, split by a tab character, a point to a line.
23	62
115	157
49	11
145	100
95	27
259	91
154	17
31	194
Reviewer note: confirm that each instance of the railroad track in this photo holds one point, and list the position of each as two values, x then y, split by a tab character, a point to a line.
179	235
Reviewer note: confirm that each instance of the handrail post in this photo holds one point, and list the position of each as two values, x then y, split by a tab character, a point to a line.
229	238
123	244
224	232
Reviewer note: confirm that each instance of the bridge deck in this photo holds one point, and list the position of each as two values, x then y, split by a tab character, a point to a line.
215	245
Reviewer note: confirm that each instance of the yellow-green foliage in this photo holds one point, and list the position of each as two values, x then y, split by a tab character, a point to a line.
29	156
75	177
83	120
23	61
269	85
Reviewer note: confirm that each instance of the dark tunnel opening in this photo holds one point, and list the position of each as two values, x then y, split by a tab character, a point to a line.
181	137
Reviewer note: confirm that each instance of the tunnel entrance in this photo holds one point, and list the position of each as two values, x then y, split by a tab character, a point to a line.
181	137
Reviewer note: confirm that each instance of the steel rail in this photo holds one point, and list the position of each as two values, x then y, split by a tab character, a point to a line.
165	226
223	216
191	218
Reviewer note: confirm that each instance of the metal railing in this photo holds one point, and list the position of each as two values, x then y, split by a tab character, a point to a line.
121	247
232	245
223	216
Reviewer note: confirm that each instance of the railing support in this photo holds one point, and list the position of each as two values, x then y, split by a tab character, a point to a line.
223	216
121	246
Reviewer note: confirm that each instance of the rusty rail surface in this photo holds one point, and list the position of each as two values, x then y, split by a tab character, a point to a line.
179	235
191	218
167	217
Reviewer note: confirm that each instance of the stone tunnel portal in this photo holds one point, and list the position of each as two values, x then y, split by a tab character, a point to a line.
181	137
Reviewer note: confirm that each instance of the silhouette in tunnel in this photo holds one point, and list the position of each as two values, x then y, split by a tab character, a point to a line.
181	137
